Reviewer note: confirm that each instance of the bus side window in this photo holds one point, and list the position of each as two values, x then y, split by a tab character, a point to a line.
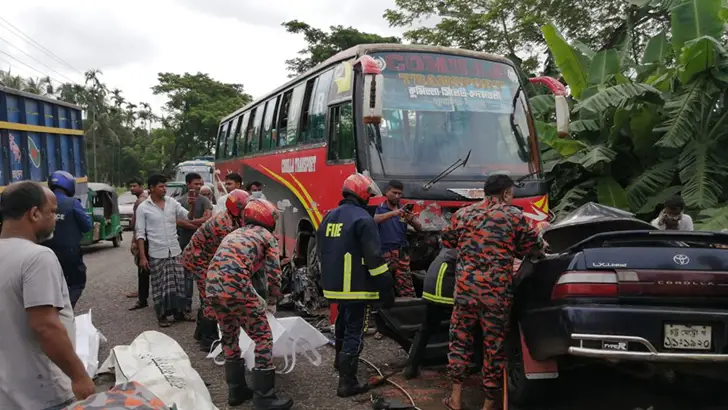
269	125
341	132
230	140
294	115
253	140
220	147
223	138
242	132
317	120
283	118
304	131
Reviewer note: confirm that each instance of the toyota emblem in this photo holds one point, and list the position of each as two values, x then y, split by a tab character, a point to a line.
681	259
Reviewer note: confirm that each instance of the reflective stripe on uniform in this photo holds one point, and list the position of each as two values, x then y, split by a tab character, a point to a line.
346	293
378	271
437	297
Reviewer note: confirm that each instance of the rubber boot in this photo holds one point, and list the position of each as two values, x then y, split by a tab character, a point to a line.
416	352
238	391
208	334
266	398
348	382
198	325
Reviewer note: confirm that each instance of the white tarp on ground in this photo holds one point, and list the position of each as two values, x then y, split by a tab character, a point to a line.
88	340
291	335
159	363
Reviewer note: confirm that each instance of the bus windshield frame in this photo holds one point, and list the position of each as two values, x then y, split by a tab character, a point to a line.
452	104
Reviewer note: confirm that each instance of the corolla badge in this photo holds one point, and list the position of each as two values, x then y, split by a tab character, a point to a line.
681	259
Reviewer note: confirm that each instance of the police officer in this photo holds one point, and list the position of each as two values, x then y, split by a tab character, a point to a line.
71	223
354	274
437	291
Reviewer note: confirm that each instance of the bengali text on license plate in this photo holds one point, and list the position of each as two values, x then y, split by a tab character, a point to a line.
688	337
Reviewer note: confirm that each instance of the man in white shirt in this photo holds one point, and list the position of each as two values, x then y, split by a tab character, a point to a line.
39	368
672	216
156	224
232	181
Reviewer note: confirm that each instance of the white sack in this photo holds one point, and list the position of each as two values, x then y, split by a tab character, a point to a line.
88	340
157	361
291	335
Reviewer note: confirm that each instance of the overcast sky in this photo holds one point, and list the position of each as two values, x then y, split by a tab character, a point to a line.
236	41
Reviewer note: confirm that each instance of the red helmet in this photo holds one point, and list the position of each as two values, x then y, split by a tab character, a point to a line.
261	212
236	201
361	186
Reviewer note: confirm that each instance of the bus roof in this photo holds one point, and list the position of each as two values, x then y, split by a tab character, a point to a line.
39	97
196	163
363	49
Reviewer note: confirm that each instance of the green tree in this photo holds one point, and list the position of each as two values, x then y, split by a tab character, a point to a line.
513	27
641	134
322	45
195	105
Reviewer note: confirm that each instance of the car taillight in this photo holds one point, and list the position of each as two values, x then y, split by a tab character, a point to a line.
599	284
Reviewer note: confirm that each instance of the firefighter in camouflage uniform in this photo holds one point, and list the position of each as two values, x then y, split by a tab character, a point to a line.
197	255
244	271
354	274
488	235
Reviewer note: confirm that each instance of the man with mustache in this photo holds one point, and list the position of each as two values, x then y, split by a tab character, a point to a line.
40	369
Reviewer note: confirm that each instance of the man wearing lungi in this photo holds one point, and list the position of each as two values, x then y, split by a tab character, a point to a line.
156	224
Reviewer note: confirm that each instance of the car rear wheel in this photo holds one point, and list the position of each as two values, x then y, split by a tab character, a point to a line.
116	241
523	391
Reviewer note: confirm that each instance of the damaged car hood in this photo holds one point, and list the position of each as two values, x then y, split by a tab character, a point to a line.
587	220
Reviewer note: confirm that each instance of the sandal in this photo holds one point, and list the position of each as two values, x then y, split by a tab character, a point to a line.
164	322
446	403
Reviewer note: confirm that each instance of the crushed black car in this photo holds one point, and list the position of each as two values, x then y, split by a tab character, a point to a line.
612	290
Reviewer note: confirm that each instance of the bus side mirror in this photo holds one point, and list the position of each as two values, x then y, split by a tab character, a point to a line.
562	116
562	106
373	88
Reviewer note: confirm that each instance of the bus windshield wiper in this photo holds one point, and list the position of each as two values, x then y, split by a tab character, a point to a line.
376	141
519	182
449	170
520	140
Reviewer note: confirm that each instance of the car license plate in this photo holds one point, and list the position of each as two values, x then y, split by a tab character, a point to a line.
690	337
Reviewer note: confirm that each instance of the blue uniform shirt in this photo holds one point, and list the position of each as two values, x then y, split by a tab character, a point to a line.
71	223
393	231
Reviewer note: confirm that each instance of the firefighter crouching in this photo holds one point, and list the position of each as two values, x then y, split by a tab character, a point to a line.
197	255
354	274
245	269
437	291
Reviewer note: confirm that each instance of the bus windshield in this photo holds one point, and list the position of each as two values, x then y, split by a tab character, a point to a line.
438	107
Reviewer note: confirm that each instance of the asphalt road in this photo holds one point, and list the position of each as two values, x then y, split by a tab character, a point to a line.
111	275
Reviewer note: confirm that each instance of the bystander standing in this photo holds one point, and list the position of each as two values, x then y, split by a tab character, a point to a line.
156	226
39	367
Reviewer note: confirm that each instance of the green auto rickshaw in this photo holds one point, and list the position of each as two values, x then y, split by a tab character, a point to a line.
102	207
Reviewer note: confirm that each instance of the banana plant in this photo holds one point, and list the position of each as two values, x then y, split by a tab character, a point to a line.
643	133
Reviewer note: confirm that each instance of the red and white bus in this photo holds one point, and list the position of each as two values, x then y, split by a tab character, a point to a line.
406	112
